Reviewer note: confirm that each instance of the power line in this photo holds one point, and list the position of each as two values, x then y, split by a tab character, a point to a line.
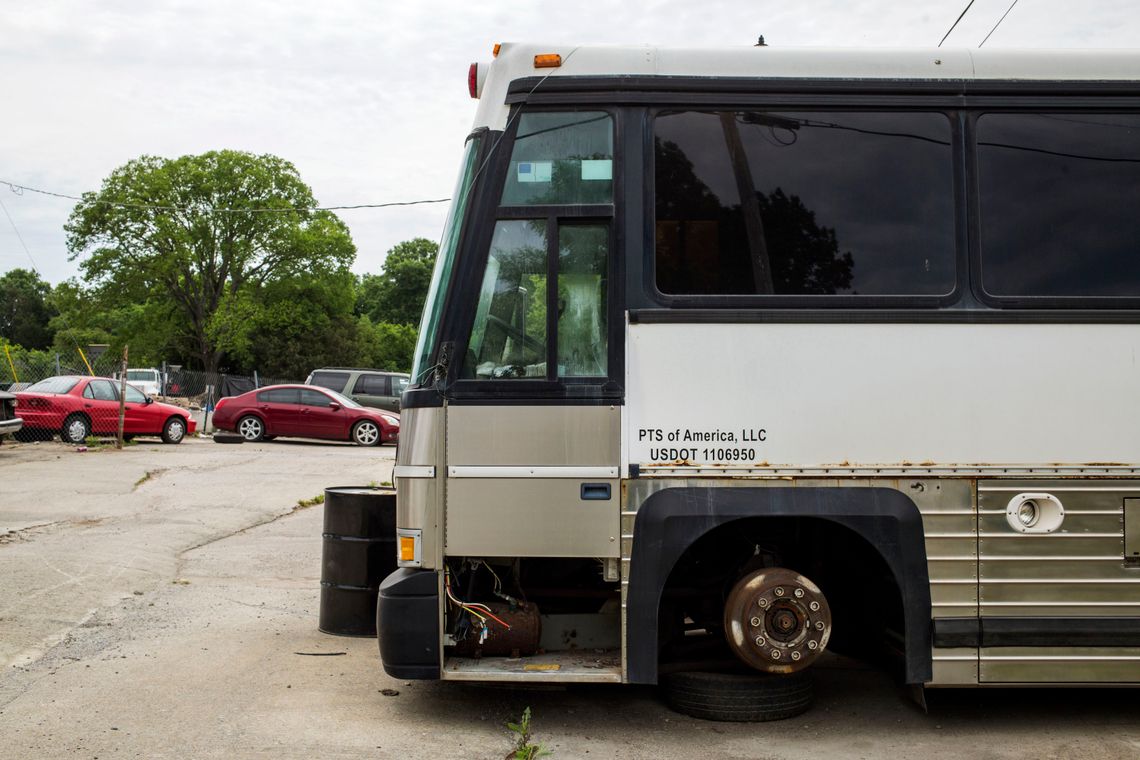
17	188
952	26
1007	10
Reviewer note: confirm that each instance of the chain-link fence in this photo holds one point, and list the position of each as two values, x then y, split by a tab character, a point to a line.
92	406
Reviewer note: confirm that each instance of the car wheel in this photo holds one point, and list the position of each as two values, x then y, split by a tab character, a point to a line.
366	433
251	428
76	428
174	430
740	696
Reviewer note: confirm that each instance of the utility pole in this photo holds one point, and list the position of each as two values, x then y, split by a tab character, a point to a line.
122	398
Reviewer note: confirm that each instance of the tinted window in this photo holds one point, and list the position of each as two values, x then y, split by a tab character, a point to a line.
280	396
508	339
141	375
334	381
314	398
801	204
1059	204
102	390
582	253
561	158
399	385
371	385
53	385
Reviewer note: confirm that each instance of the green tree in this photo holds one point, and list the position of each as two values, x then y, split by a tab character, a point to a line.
385	345
202	235
296	325
25	309
397	294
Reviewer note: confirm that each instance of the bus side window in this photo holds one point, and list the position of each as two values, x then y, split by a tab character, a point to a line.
508	339
582	328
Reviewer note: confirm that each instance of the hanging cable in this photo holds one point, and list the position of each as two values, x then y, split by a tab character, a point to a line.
952	26
17	188
1007	10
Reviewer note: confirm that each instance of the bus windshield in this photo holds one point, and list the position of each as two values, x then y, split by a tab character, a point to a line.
441	277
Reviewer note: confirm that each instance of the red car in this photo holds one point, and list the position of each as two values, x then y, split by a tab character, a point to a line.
75	407
305	411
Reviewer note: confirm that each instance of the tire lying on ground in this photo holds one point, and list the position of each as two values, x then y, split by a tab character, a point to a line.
224	437
739	696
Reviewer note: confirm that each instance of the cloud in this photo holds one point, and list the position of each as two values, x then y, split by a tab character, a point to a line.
369	99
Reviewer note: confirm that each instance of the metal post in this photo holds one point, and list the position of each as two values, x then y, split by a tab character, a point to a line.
122	398
256	383
162	380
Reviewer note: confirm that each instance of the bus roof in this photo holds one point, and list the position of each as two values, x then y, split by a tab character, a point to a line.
516	61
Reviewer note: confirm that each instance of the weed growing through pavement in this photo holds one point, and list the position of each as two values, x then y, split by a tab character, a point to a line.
318	499
524	749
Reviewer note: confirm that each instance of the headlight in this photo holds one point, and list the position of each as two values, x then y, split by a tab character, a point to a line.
390	420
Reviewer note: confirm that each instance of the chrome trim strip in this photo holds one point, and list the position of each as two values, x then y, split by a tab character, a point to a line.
650	470
1111	489
1024	535
1096	558
1015	581
414	471
1060	658
480	471
984	603
1068	512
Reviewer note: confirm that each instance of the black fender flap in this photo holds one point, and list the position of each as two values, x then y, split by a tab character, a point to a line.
407	623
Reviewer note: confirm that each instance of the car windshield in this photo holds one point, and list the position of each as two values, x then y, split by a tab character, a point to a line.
53	385
144	375
342	399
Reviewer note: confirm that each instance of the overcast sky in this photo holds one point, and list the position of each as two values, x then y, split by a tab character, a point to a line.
369	99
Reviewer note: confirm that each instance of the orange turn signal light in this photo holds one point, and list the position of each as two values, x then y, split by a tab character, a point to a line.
495	50
407	549
547	61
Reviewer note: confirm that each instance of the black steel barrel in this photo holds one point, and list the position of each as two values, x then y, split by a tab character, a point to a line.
359	552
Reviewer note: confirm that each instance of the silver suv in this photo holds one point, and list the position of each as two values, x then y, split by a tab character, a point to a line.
370	387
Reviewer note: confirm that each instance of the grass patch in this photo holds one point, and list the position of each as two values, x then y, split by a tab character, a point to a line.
146	476
304	503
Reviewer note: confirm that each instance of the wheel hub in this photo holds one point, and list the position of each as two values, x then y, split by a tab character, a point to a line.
777	620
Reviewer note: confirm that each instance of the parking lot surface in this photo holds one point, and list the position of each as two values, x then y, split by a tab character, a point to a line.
162	601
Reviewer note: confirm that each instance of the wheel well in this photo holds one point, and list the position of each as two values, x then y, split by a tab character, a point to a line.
708	528
84	415
866	601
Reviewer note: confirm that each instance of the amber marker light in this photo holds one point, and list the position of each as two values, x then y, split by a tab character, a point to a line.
407	548
547	61
495	50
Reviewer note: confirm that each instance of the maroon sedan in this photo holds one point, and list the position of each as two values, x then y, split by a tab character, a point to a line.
304	411
75	407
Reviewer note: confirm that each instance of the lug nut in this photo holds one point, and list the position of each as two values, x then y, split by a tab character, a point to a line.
813	645
755	622
799	593
796	656
760	642
779	590
814	606
762	602
819	625
775	654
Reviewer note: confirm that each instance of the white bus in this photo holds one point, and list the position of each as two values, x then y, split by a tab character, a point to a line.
733	358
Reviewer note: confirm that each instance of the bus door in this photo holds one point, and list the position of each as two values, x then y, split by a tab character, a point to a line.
533	419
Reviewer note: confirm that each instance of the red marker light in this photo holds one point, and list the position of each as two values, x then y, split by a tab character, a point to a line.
473	80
